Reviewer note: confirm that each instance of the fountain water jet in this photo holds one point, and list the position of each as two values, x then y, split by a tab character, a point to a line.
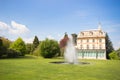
70	54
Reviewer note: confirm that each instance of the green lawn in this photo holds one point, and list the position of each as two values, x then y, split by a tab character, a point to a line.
37	68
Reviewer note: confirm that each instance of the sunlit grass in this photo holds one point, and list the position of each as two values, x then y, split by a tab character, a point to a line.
37	68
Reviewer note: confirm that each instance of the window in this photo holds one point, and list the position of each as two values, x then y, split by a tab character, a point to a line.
100	46
87	46
91	33
100	40
93	47
81	40
82	33
93	40
81	46
87	40
101	33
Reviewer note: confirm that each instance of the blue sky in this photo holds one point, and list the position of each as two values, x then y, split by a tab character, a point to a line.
52	18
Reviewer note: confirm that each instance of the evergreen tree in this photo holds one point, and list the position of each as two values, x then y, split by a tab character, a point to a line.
35	43
74	38
109	46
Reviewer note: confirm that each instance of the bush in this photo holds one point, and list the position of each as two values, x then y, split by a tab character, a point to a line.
113	55
28	48
49	48
12	53
37	51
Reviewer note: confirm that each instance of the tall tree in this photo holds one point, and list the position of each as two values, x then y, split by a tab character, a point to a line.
3	49
19	46
74	38
63	43
109	46
35	42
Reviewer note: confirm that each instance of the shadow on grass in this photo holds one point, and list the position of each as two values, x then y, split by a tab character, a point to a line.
63	62
20	57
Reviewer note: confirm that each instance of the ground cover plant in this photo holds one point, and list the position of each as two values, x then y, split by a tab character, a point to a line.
38	68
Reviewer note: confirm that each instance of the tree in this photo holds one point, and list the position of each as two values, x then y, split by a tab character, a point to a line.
3	49
1	45
109	46
12	53
118	52
74	38
19	46
113	55
6	42
35	43
63	43
28	48
49	48
37	51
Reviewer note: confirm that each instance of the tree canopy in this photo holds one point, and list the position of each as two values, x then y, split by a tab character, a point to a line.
19	46
109	46
49	48
36	42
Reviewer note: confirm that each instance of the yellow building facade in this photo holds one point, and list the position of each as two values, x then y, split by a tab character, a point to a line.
91	44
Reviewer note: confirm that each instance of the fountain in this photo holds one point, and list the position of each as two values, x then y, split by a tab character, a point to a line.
70	54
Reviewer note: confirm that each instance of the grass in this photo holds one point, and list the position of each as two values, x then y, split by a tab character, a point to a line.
37	68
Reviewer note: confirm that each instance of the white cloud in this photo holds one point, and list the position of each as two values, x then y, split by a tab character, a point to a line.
17	28
50	37
14	28
3	26
28	40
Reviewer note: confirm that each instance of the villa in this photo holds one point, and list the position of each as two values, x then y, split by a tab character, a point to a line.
91	44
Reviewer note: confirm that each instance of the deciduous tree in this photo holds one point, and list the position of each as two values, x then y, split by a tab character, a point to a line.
19	46
49	48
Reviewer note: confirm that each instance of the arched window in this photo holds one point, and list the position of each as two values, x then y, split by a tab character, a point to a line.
91	33
100	32
82	33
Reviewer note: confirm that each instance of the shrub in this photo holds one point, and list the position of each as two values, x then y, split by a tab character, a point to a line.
37	51
113	55
49	48
12	53
28	48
